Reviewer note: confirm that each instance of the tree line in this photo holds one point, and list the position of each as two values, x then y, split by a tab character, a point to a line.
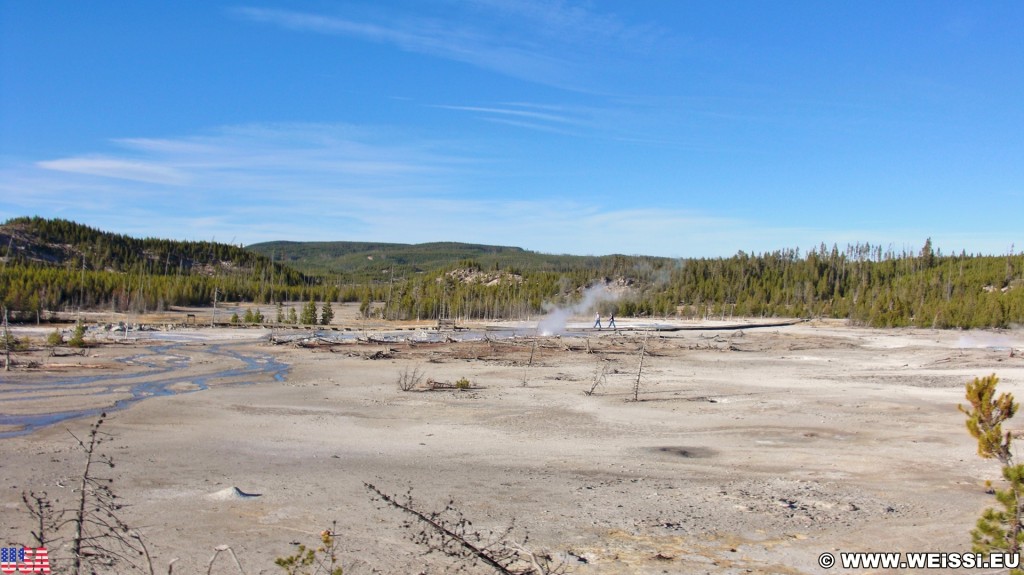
63	243
862	283
865	283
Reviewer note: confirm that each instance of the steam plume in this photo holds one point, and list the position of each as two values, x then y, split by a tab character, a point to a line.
553	323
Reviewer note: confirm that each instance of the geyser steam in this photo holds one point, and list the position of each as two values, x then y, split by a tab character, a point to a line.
553	323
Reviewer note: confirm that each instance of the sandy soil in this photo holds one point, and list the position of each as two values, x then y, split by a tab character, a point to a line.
750	451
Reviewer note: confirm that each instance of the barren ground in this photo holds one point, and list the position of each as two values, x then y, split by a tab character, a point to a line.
750	451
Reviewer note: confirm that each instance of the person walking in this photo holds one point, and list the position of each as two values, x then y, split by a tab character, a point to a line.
611	321
597	321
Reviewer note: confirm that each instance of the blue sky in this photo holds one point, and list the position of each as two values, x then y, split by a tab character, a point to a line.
670	128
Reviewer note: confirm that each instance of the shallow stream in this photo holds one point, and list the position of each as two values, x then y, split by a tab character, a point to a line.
166	370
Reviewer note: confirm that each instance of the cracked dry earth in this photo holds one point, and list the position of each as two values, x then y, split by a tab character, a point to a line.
748	451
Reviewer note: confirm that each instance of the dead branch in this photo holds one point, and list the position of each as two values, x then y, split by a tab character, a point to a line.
47	519
600	378
448	531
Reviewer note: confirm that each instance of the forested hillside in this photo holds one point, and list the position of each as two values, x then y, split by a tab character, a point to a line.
55	265
862	283
364	261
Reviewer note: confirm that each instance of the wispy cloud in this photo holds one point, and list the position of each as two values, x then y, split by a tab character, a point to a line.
533	115
317	182
266	173
551	119
578	24
557	44
117	168
307	182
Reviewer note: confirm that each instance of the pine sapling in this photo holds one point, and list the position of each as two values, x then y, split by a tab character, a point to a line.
998	529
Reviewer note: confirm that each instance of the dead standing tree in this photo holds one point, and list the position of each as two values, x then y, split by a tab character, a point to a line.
600	377
640	368
101	538
9	342
526	370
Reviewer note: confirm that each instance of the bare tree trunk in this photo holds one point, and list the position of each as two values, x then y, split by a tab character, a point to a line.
83	494
7	343
640	369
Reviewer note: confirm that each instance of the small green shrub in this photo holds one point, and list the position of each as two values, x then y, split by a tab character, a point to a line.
15	344
463	383
55	338
78	336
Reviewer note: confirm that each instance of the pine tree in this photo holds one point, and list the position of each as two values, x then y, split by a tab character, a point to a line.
78	336
1002	529
308	316
327	314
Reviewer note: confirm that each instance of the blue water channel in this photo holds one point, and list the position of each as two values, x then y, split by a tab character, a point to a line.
162	360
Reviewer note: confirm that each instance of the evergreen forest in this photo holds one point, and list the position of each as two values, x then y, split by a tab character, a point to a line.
58	265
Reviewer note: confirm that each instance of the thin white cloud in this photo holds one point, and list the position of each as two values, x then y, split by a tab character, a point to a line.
557	44
122	169
157	145
582	121
579	24
543	116
267	151
427	37
529	125
257	173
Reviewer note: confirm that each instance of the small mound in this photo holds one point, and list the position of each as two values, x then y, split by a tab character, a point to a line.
232	493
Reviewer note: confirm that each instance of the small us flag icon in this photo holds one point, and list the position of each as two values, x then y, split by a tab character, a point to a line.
24	560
